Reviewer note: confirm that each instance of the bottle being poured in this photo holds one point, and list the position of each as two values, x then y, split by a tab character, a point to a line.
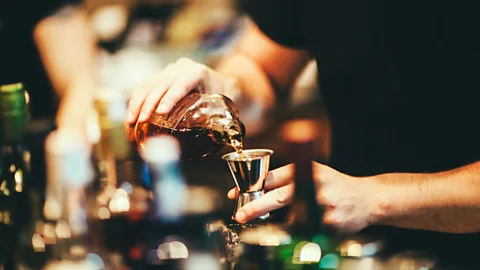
202	123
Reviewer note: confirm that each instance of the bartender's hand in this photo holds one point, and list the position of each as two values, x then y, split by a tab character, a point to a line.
350	202
176	80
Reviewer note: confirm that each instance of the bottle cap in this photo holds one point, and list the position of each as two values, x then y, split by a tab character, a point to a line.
268	235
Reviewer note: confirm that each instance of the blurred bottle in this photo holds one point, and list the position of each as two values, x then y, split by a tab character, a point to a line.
177	236
310	243
118	202
13	170
258	248
202	123
65	231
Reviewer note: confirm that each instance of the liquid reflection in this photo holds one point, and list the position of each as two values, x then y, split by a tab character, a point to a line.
310	253
227	239
201	261
96	260
412	260
18	176
288	264
172	250
37	243
354	250
120	202
329	261
103	213
306	253
49	234
62	230
359	248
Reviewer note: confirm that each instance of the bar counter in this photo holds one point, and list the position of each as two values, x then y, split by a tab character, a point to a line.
395	248
377	247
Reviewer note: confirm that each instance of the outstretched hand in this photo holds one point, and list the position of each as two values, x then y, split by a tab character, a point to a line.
351	203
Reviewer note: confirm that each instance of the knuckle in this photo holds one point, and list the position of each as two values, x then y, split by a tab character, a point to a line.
136	101
169	66
282	195
250	211
183	61
150	101
164	71
179	90
331	220
141	90
202	71
323	198
133	103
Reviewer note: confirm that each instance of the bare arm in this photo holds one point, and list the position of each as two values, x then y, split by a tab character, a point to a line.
447	201
261	66
67	51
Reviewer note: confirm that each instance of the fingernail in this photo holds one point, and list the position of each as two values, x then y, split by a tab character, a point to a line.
240	216
143	116
231	193
162	108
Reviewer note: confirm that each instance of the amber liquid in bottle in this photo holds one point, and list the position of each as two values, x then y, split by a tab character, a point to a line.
195	142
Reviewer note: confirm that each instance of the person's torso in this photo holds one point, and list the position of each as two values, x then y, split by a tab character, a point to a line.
401	82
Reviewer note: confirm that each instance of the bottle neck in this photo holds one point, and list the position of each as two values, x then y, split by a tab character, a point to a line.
232	131
13	124
111	154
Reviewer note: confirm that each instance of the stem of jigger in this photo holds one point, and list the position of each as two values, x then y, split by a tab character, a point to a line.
249	170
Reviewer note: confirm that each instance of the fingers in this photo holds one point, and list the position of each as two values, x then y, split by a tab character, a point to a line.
135	104
182	85
275	179
279	177
233	193
272	200
278	183
164	81
163	91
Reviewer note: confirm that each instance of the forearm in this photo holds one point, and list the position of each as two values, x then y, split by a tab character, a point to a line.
67	50
249	87
447	201
260	68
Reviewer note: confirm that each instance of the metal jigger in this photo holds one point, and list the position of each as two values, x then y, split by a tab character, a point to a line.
249	169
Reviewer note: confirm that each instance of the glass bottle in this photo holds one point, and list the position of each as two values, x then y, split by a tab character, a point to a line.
177	235
202	123
118	202
310	246
13	169
69	171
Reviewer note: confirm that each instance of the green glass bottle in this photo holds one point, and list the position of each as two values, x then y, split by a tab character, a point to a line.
13	169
